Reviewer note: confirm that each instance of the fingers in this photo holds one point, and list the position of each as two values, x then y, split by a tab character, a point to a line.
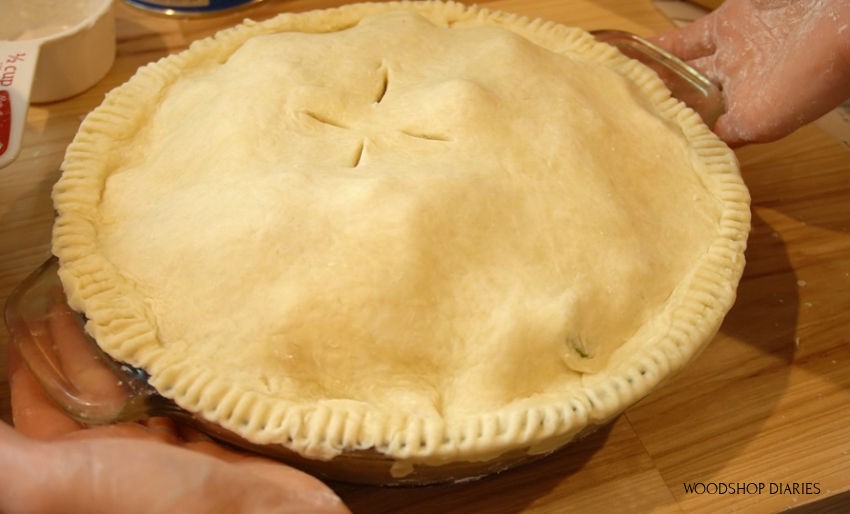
691	41
80	364
62	356
37	416
33	412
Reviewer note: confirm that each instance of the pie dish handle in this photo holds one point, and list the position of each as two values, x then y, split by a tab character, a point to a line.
86	383
685	83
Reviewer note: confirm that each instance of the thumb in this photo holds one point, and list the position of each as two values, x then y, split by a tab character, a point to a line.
139	476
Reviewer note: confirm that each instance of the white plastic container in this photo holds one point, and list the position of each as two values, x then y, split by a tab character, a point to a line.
49	50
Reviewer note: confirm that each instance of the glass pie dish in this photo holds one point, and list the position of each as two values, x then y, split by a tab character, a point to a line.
95	389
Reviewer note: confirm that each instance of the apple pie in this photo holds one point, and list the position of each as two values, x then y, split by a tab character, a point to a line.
432	232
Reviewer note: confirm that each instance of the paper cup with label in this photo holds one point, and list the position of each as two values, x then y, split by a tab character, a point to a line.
49	50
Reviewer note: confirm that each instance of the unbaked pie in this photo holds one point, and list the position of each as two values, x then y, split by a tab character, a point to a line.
428	231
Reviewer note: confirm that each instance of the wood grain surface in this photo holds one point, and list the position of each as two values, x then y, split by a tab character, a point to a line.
760	422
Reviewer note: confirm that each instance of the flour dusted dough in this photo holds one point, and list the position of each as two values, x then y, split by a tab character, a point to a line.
376	226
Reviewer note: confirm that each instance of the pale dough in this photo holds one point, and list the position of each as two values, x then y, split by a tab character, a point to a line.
397	218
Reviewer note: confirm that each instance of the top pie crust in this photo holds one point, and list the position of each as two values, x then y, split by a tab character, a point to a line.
436	231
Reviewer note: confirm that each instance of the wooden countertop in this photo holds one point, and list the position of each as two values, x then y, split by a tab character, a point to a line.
767	403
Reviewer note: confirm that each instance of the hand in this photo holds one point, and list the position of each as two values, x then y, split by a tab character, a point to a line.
780	63
54	464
